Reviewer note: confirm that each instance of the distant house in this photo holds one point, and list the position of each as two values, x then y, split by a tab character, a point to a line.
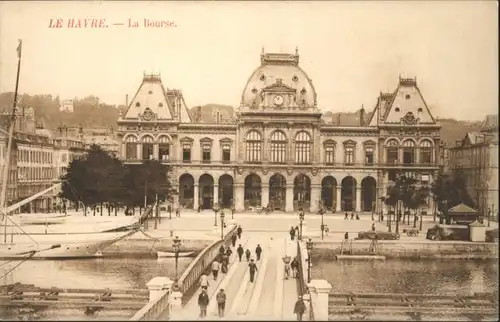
66	106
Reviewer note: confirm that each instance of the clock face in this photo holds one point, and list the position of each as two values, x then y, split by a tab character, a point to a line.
278	100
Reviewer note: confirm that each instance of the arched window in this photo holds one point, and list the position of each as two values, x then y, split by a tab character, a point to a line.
408	152
392	152
253	146
131	147
278	147
303	147
426	152
147	147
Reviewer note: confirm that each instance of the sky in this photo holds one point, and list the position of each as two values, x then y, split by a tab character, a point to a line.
350	50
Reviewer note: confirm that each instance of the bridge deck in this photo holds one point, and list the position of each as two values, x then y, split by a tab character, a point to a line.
270	296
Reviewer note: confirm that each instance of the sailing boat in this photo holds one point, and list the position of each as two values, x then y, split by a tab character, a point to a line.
48	245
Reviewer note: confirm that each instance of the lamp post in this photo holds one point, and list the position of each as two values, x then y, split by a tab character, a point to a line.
232	210
301	220
216	210
222	215
489	216
309	246
322	212
177	246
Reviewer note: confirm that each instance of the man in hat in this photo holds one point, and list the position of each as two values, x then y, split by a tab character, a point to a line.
203	300
258	251
221	302
253	268
300	308
233	239
240	251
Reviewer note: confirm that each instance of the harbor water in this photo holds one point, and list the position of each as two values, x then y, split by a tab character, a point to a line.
390	276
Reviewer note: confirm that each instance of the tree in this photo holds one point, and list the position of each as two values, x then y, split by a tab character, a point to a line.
452	188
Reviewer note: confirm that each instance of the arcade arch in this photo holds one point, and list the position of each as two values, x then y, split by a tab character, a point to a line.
302	192
253	191
277	192
226	191
206	191
348	194
186	191
368	194
329	192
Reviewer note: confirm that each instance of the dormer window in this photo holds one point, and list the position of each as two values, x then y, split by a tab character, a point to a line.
295	78
150	92
137	104
262	77
160	104
397	109
303	91
407	96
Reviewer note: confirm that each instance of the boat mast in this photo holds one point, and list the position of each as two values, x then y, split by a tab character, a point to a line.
12	124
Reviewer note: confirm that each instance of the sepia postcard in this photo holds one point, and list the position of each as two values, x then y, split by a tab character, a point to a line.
249	160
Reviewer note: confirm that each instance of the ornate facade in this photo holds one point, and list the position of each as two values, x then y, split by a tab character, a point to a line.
279	152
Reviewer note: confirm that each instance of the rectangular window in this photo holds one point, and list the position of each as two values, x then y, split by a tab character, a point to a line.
206	153
226	153
369	156
349	155
164	151
186	153
425	155
329	154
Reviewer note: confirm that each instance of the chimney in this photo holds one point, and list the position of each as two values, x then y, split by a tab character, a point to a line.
362	116
126	100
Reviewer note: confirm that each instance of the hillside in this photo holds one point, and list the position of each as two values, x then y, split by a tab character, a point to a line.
88	115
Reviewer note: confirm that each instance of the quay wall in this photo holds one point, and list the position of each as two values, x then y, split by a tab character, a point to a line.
412	250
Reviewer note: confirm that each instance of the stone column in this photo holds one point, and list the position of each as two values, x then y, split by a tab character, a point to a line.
265	195
315	197
239	197
156	151
358	198
339	199
289	198
196	197
139	151
216	194
319	290
157	285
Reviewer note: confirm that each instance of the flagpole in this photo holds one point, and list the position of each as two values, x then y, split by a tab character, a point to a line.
9	144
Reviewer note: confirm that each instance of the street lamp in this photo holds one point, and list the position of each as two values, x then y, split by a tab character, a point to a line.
222	215
309	246
177	246
322	212
216	210
301	219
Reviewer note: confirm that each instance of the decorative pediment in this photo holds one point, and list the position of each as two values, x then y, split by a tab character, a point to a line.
148	115
410	119
279	87
370	143
330	142
226	141
349	143
206	141
186	140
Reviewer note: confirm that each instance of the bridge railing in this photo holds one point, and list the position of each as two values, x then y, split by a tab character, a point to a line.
302	277
188	281
154	309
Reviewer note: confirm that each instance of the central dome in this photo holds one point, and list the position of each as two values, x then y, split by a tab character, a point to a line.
282	69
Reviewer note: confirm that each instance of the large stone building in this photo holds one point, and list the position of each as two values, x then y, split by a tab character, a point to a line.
476	157
279	151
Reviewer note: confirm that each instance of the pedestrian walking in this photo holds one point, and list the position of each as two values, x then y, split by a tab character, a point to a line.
253	268
352	216
215	269
346	235
233	239
221	302
300	308
203	300
373	226
294	265
292	233
240	252
346	216
239	231
177	212
222	250
247	254
224	263
229	252
357	217
287	270
204	282
327	230
258	251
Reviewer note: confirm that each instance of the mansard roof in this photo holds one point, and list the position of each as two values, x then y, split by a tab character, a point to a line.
405	105
152	102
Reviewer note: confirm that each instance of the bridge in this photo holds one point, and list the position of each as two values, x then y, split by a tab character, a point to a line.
272	297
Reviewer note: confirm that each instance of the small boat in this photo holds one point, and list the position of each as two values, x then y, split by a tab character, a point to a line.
42	219
171	254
